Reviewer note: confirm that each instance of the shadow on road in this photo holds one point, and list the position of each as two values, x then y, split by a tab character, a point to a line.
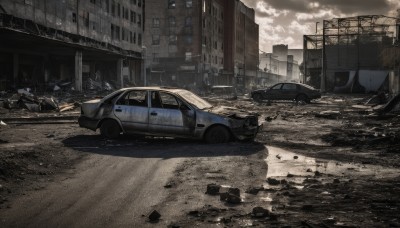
158	147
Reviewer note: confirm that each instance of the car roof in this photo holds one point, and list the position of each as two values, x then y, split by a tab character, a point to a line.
155	88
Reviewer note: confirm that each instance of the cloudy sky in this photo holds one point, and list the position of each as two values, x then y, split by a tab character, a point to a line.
286	21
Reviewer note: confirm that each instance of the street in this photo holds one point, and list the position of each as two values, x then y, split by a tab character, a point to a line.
300	168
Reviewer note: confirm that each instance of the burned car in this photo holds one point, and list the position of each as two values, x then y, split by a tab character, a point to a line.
160	111
287	91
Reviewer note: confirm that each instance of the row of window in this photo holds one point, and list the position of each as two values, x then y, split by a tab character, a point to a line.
118	33
172	39
172	22
172	4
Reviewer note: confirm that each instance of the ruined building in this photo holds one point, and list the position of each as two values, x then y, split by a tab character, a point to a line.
47	41
351	55
198	43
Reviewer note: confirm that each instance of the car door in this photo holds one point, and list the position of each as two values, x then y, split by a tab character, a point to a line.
289	91
133	111
169	116
274	92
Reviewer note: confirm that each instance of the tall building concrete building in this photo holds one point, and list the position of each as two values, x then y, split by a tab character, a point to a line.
197	43
71	40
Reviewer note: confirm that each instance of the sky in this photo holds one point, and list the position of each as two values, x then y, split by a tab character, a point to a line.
286	21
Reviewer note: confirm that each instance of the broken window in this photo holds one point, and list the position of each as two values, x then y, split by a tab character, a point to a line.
134	98
134	37
74	17
188	21
119	10
173	39
139	3
188	56
113	8
168	101
117	33
189	3
112	32
140	39
156	22
155	40
172	21
171	4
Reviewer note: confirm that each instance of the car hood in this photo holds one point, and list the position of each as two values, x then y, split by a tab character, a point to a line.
230	112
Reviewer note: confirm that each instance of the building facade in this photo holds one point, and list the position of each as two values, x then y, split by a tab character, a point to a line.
72	40
198	43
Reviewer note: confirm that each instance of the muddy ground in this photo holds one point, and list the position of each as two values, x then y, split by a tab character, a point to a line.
331	163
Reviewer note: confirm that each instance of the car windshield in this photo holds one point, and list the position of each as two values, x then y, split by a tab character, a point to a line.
194	100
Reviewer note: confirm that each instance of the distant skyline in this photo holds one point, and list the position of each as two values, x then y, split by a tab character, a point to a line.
286	21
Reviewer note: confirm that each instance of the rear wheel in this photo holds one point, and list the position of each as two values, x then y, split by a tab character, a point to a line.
217	134
257	97
110	129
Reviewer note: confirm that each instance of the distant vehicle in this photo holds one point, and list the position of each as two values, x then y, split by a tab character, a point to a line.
224	91
287	91
166	112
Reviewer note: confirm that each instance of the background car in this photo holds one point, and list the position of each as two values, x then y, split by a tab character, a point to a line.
166	112
287	91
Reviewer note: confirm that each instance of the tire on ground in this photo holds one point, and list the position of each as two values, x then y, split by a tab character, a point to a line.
110	129
217	134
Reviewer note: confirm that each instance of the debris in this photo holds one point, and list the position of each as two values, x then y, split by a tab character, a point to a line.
2	123
254	190
278	156
290	175
260	212
232	196
154	216
309	171
273	181
296	157
213	189
307	207
392	106
336	181
328	114
169	184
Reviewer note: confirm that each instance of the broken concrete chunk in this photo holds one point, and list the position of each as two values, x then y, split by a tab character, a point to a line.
154	216
254	190
233	199
234	191
213	189
260	212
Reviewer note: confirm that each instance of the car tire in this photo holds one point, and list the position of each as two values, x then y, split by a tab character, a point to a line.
257	97
302	98
110	129
217	134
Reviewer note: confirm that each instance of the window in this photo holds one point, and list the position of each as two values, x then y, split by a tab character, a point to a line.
134	37
155	57
133	17
169	101
188	56
130	37
139	20
173	39
171	4
188	30
74	17
108	6
188	39
156	22
172	21
119	10
155	40
134	98
139	3
189	3
289	87
113	8
277	86
117	33
140	39
188	21
216	45
112	31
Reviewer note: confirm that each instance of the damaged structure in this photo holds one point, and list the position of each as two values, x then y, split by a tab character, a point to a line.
198	43
350	55
50	44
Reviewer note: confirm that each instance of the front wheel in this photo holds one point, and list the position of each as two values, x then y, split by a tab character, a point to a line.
110	129
217	134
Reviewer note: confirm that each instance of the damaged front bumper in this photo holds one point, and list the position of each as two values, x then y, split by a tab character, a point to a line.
247	132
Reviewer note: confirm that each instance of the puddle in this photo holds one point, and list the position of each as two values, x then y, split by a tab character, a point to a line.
281	163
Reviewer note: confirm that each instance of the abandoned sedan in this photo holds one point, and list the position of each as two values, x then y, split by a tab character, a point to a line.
287	91
162	111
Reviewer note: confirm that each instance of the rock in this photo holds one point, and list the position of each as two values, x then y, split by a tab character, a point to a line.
193	213
336	181
233	199
273	181
234	191
317	173
260	212
296	157
309	171
154	216
213	189
169	184
290	175
278	156
254	190
284	181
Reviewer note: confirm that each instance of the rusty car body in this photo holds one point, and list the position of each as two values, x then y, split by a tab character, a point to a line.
163	111
287	91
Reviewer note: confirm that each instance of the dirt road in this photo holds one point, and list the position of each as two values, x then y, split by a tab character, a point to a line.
339	168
